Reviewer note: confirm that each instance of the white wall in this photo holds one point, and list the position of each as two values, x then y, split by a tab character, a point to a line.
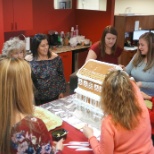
134	6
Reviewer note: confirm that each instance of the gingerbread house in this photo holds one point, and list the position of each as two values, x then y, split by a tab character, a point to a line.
90	80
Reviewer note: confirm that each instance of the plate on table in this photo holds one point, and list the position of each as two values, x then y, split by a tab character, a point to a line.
51	120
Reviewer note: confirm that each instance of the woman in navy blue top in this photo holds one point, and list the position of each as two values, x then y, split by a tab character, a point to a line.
47	71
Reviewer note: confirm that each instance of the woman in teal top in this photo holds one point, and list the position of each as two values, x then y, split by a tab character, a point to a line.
141	67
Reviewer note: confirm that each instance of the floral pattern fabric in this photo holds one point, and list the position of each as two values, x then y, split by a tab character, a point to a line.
30	136
48	78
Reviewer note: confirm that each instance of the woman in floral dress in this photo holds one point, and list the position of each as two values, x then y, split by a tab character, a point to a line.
21	132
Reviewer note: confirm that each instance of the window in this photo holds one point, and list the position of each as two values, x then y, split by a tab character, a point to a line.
92	4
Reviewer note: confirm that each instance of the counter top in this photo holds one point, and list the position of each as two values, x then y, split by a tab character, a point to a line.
134	48
69	48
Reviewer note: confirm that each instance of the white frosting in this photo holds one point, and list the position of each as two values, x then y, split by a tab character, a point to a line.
90	85
87	94
80	81
88	106
85	83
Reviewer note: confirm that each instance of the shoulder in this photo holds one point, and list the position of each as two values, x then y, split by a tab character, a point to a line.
108	125
34	119
96	44
54	55
96	47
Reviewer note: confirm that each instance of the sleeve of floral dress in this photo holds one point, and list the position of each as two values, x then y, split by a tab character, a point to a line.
45	138
62	82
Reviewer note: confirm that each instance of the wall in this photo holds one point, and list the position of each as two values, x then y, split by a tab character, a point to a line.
137	6
1	26
46	18
91	23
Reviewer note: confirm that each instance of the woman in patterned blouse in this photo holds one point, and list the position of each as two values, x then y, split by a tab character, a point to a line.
20	131
47	71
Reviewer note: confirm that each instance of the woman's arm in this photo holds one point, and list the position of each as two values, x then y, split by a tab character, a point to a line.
130	66
106	144
61	78
91	55
148	85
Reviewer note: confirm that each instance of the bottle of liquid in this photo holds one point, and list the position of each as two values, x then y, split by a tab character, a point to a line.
77	30
66	40
72	31
62	35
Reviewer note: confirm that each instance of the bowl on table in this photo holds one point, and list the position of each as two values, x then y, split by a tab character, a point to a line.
59	134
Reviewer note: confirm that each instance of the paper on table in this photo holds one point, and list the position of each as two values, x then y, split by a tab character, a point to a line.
76	146
51	121
84	149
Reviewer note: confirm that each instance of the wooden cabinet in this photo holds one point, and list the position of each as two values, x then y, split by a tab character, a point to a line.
67	63
17	15
125	24
126	56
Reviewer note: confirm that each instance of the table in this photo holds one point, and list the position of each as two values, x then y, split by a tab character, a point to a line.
73	135
63	108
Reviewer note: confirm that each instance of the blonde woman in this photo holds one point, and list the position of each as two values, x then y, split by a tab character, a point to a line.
20	131
126	126
14	47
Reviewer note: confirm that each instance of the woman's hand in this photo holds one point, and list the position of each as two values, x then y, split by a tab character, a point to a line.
139	84
87	131
61	95
145	96
58	145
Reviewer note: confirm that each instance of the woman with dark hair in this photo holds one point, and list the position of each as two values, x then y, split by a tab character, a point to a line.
106	49
47	71
20	131
126	124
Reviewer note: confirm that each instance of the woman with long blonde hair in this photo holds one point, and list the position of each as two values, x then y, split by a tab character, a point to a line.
126	124
20	131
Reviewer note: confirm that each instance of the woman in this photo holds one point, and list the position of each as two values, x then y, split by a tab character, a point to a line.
14	47
141	67
21	132
126	124
47	71
106	49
